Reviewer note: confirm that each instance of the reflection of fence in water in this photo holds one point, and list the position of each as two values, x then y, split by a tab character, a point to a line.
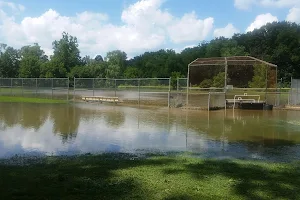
35	87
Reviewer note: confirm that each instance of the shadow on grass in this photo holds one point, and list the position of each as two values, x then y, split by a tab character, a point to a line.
121	176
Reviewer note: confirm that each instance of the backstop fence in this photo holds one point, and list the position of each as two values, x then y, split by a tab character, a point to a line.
55	88
294	95
216	97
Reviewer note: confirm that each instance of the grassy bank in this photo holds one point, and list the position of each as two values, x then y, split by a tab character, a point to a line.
155	177
16	99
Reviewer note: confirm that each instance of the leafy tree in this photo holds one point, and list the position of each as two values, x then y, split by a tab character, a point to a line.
116	60
66	52
32	58
219	80
9	62
131	72
174	77
99	58
259	78
206	83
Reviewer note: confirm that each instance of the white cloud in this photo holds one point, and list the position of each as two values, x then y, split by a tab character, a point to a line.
16	8
294	15
243	4
246	4
261	20
228	31
190	28
279	3
145	26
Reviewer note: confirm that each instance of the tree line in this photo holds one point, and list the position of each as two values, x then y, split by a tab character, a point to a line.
277	42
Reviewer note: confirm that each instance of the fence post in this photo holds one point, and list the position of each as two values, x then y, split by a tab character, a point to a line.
74	88
22	87
115	87
36	87
68	82
11	86
297	101
93	87
51	88
208	103
139	91
169	92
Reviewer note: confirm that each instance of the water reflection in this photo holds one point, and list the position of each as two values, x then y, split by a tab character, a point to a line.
82	128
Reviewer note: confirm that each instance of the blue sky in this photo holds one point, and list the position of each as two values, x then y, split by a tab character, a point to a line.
136	26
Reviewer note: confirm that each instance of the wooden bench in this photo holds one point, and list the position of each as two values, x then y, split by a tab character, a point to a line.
101	99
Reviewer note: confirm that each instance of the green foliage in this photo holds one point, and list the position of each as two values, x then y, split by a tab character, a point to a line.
131	72
276	42
219	80
206	83
259	78
32	59
174	77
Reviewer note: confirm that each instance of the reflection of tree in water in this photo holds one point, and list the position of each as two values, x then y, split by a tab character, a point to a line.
33	115
114	118
10	114
27	115
65	121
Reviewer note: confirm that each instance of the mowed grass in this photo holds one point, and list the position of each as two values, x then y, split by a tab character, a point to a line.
16	99
120	176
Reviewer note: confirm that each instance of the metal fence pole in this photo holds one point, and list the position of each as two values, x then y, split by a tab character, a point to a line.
74	88
51	88
169	93
139	90
11	85
68	87
297	101
93	87
36	87
208	101
22	87
115	87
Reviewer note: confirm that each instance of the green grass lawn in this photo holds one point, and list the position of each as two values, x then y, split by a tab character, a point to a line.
117	176
17	99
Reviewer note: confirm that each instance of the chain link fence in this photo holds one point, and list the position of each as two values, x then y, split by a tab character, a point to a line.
54	88
199	98
142	91
294	95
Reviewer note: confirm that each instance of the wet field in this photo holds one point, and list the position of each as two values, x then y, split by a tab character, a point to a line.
33	129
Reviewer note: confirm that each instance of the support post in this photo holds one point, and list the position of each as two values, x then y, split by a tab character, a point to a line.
226	68
208	103
74	88
93	87
187	86
266	84
68	82
115	87
52	88
22	87
297	101
139	91
36	87
169	93
11	85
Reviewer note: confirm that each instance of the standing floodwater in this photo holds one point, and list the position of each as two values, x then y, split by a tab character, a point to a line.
84	128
